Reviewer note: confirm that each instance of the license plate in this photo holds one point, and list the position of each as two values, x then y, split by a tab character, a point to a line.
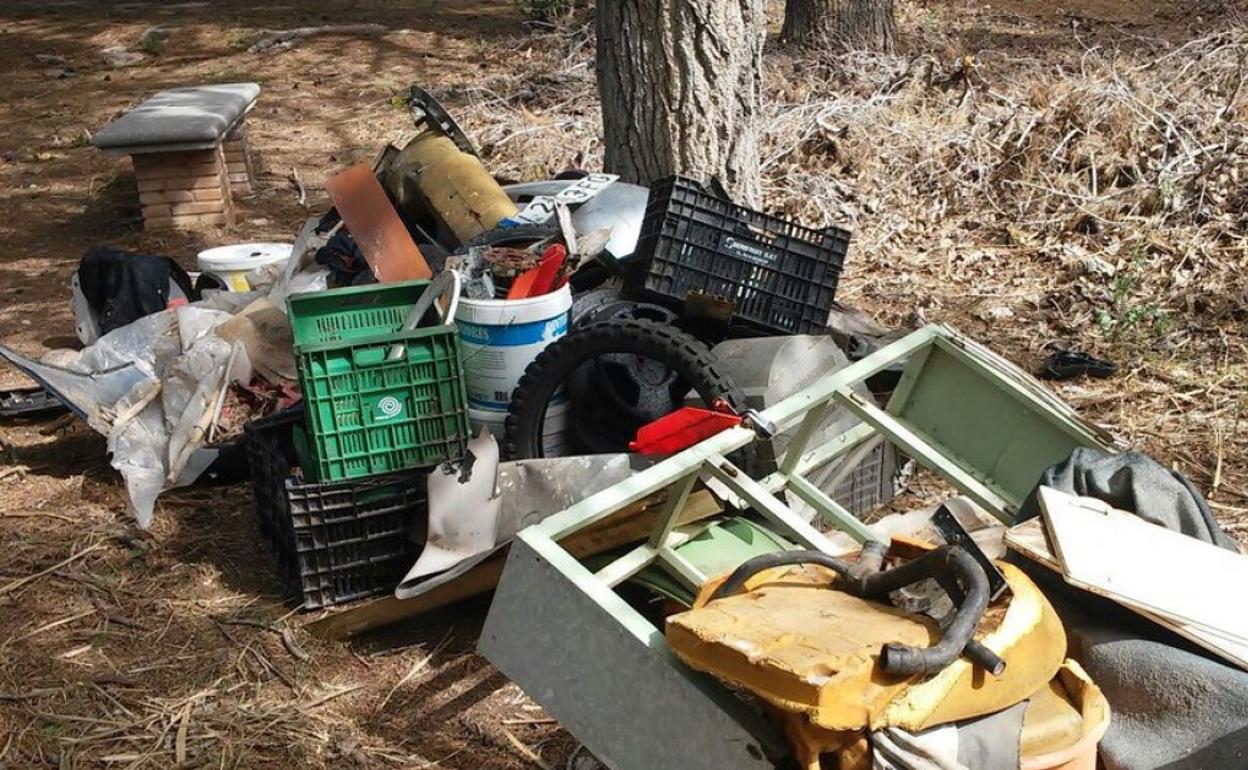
539	210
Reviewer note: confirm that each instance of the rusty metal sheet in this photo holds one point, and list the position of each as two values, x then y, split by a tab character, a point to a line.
371	219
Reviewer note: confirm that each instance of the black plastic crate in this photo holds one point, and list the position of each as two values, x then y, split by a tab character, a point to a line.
271	455
781	276
354	539
339	541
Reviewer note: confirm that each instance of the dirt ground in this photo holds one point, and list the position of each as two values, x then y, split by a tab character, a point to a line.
123	649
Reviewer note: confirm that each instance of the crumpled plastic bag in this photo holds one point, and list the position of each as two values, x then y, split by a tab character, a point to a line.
155	386
151	448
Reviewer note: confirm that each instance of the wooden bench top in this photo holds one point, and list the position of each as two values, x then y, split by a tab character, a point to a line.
190	118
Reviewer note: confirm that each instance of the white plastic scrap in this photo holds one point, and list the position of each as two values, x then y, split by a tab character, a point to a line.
153	432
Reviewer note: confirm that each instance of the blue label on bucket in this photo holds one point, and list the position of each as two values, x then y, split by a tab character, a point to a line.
503	406
515	334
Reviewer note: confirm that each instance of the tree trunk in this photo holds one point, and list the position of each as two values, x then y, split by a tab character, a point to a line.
846	25
680	87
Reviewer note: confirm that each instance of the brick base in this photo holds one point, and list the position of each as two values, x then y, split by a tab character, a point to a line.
178	189
238	161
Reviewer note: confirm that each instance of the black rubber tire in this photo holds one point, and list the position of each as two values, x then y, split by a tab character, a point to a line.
685	354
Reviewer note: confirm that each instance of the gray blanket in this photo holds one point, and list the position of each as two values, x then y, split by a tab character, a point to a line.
1174	706
1133	481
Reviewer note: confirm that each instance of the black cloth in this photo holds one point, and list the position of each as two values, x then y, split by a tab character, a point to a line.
345	262
122	287
1135	482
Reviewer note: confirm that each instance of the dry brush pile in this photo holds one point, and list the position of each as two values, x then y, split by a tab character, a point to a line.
1097	199
1097	161
1092	195
1129	170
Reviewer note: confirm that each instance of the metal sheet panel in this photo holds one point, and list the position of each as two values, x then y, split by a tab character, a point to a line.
607	675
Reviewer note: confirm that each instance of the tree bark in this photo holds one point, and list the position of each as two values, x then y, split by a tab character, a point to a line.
853	25
680	82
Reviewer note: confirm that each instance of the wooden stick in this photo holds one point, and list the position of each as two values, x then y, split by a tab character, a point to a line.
30	578
18	470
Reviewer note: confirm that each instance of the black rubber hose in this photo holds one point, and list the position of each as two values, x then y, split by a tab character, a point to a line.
751	567
870	559
977	652
588	277
905	660
854	573
984	657
861	580
552	368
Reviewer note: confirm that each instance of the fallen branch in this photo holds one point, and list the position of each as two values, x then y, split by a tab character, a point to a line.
272	40
528	753
292	646
327	698
37	515
287	636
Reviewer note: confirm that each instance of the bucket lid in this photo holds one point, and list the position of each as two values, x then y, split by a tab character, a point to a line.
243	256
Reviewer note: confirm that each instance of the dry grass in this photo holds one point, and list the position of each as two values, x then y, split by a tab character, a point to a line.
173	649
1092	195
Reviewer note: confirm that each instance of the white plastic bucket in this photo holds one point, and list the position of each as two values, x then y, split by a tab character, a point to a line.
500	338
555	441
231	264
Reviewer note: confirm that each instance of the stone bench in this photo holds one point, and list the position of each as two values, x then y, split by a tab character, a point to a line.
190	152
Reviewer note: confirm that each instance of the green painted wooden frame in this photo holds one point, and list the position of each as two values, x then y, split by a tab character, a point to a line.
959	410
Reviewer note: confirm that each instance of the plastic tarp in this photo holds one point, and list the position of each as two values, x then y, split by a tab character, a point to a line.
528	491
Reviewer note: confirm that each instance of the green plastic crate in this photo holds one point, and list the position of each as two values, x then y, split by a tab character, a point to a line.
367	415
351	314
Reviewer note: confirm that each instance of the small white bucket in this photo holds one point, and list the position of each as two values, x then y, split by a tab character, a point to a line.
500	338
231	264
555	441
